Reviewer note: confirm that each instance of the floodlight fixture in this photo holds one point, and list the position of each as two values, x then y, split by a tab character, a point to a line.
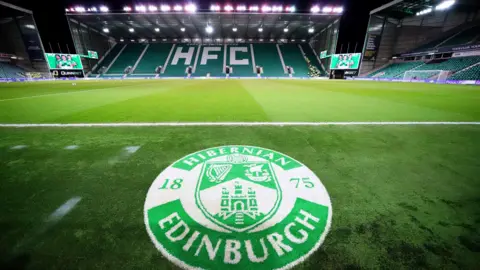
157	29
177	8
266	8
30	26
106	30
154	40
285	29
192	8
209	29
315	9
80	9
241	8
228	8
140	8
131	30
122	40
254	8
152	8
260	29
182	29
338	10
234	29
327	9
104	9
445	5
215	8
277	8
94	9
290	9
165	8
127	9
311	30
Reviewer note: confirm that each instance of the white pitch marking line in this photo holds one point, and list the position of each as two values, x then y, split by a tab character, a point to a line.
233	124
63	210
17	147
125	153
71	147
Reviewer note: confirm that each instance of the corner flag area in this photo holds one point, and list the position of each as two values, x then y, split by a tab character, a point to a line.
103	174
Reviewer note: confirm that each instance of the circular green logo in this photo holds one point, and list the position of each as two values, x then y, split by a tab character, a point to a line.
241	207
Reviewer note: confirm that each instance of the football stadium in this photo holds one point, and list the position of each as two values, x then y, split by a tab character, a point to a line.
177	136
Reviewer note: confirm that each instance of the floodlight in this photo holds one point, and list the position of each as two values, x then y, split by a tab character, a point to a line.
30	26
253	8
228	8
293	40
303	40
327	9
285	30
104	9
190	8
154	39
79	9
266	8
131	30
178	8
164	39
94	9
106	30
165	8
219	39
209	29
132	40
140	8
127	9
260	29
311	30
182	29
152	8
215	8
425	11
241	8
445	5
271	39
157	29
290	9
122	40
234	29
338	10
277	8
315	9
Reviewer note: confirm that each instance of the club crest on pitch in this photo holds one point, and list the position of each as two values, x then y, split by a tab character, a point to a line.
228	192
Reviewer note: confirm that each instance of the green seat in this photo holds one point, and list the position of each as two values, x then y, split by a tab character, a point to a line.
128	57
155	56
266	56
293	57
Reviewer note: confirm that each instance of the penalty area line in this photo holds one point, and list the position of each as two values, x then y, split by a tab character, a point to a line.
235	124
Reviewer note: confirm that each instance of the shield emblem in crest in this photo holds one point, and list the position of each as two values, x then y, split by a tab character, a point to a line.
238	195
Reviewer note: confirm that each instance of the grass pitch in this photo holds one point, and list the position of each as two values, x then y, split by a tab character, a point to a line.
403	196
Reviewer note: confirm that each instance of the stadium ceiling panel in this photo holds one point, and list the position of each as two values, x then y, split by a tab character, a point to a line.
193	26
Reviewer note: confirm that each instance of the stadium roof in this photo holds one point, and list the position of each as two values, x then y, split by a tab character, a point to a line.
405	8
192	26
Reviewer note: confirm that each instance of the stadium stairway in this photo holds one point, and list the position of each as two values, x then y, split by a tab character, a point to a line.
241	59
180	57
312	57
127	57
293	57
210	60
108	58
156	55
267	56
11	71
